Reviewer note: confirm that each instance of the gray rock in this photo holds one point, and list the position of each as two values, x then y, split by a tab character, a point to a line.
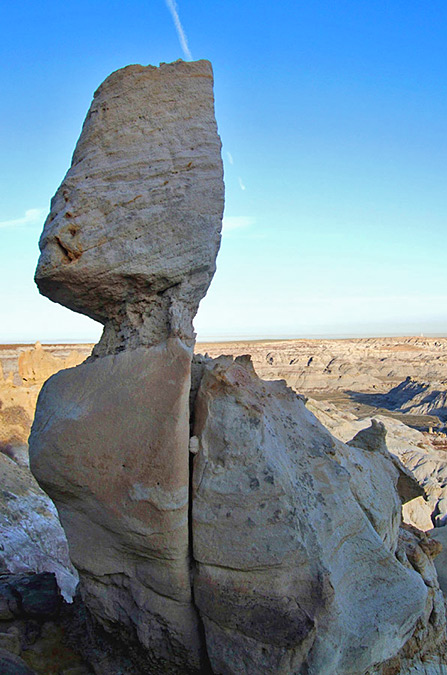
31	536
373	438
11	664
291	574
31	595
134	229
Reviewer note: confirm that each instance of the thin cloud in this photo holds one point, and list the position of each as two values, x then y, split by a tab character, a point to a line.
172	6
230	157
241	184
31	217
231	223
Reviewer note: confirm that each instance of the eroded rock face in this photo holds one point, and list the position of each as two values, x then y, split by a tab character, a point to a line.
110	445
131	241
134	229
293	572
31	535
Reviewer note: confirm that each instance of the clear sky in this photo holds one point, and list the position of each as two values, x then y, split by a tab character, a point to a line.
333	117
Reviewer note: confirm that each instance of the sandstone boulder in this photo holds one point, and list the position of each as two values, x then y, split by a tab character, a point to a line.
110	445
134	229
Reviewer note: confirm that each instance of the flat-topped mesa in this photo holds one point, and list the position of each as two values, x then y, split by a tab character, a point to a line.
134	229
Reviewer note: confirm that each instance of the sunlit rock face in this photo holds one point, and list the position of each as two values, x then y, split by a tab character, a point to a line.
134	229
296	568
131	241
110	445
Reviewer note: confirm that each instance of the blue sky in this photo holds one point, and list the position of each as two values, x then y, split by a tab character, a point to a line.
333	118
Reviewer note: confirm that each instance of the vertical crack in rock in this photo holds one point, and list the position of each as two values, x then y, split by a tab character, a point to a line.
131	241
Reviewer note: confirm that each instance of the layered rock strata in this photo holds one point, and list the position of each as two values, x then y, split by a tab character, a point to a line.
131	241
134	229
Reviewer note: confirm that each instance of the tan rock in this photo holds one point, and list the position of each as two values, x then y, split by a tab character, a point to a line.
110	444
36	365
134	229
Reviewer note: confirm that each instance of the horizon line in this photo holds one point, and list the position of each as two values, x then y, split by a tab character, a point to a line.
244	338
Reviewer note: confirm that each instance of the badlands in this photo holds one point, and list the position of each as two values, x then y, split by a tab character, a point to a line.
250	509
345	383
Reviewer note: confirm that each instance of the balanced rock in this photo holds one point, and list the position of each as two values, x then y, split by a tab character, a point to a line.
131	241
134	229
288	556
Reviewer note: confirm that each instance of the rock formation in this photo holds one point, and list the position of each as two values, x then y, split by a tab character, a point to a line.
131	241
36	365
293	535
134	229
362	365
287	556
19	392
426	463
31	535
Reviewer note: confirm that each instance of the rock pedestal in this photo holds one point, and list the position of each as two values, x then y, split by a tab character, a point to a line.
131	241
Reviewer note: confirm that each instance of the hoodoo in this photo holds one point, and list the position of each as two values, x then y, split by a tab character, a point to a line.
131	241
287	554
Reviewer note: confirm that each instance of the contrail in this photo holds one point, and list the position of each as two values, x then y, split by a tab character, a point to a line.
172	6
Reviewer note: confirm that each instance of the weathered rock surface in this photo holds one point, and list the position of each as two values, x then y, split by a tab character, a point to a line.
19	391
36	365
418	398
373	438
110	445
134	229
31	536
425	462
425	652
131	241
294	570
